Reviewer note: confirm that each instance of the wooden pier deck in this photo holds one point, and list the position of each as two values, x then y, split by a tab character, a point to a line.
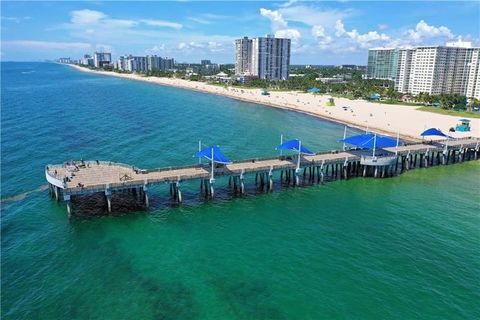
87	177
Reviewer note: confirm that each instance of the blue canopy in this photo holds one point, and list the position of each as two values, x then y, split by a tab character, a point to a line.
294	145
433	132
368	140
218	156
313	90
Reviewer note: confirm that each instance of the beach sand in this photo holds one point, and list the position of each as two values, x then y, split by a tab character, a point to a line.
385	118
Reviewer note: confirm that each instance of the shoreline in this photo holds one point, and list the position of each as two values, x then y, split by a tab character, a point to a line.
360	114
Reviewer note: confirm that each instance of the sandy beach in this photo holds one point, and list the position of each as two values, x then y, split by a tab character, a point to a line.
386	118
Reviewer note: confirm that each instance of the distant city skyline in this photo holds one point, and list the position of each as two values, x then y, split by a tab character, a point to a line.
321	32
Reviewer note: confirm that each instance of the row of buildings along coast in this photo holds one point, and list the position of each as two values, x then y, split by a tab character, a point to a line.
128	62
452	69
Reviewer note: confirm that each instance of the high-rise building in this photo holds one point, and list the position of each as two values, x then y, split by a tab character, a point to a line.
101	59
87	60
143	64
263	57
452	69
382	63
243	56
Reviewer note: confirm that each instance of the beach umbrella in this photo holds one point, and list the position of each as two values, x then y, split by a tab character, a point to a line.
372	141
215	155
295	145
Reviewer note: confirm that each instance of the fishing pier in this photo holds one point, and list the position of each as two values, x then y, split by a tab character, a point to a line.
84	178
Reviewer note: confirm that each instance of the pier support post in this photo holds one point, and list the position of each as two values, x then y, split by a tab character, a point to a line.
179	192
426	156
56	192
376	172
145	194
66	198
321	171
364	171
345	169
297	178
108	196
270	179
212	190
242	184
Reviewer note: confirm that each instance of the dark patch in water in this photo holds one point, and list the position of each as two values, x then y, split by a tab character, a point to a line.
249	299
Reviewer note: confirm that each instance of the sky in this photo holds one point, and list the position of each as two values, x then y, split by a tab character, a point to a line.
326	32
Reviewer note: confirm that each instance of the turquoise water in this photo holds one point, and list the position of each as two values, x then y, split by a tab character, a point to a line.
401	248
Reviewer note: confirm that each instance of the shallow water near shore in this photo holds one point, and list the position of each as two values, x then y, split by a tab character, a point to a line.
400	248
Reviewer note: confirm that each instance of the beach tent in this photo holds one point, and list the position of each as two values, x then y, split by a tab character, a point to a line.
433	132
375	96
313	90
295	145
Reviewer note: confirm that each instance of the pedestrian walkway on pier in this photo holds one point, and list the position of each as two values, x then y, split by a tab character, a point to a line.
76	178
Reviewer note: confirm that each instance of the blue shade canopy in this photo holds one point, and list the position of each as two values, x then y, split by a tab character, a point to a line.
294	145
368	140
433	132
218	156
313	90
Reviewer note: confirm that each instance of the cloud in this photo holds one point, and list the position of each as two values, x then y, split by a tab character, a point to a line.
275	18
318	33
162	23
14	19
199	20
310	15
382	26
45	45
292	34
156	49
86	16
363	40
425	31
288	3
201	47
339	28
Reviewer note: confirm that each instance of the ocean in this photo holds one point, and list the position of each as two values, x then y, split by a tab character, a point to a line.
398	248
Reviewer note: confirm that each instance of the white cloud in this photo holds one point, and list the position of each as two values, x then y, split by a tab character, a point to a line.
318	32
156	49
363	40
288	3
86	16
424	31
162	23
292	34
310	15
45	45
201	47
339	28
275	18
199	20
383	26
14	19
